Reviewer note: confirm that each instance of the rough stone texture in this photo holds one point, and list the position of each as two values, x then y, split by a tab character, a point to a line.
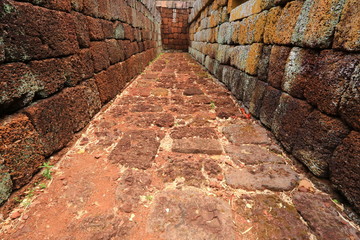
264	63
110	82
317	139
185	214
275	177
316	25
246	134
334	71
347	32
328	219
256	98
288	119
17	94
345	168
20	151
277	64
271	23
267	215
197	145
22	42
286	24
252	155
269	104
189	132
58	117
298	70
174	31
132	185
5	184
350	101
136	148
189	169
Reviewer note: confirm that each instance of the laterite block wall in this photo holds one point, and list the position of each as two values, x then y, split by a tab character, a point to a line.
296	66
174	24
60	62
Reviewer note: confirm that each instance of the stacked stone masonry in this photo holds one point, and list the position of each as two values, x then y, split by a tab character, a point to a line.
296	66
174	24
60	62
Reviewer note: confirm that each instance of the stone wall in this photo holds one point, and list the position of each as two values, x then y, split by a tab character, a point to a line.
296	66
174	24
60	62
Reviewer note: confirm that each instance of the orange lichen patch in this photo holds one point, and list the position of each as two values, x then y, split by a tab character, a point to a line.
253	58
347	33
271	22
287	21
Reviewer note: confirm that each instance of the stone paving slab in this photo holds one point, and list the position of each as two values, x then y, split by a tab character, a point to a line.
175	157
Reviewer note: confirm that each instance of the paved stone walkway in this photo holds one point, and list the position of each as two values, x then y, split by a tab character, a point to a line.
174	157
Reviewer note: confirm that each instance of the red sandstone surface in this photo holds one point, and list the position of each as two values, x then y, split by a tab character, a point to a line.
174	157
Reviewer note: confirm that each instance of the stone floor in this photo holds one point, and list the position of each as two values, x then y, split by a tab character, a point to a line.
174	157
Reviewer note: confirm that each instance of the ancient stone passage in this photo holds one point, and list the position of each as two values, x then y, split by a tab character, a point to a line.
175	157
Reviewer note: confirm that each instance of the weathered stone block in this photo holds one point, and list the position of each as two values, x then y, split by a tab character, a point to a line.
91	7
347	33
82	30
286	24
24	26
253	59
251	29
323	216
18	86
111	81
6	184
271	22
239	56
223	54
317	139
20	150
333	75
107	28
77	5
316	25
52	4
104	7
53	74
118	31
136	149
263	65
58	117
275	177
350	101
96	32
116	51
288	119
296	70
100	55
269	104
197	145
246	9
345	168
278	60
225	33
257	98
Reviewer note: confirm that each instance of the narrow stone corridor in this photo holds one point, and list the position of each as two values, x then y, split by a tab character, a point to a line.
175	157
